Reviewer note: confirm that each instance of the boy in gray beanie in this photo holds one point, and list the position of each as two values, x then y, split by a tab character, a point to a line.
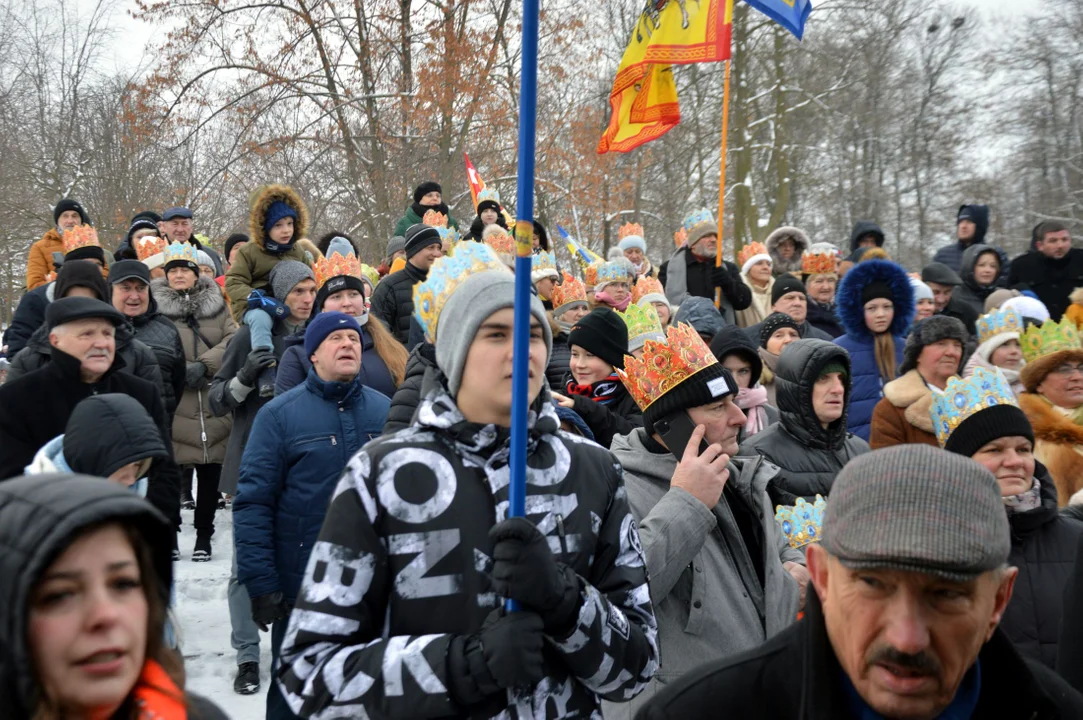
427	506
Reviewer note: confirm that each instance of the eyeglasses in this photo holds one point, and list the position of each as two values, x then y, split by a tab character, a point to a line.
1068	369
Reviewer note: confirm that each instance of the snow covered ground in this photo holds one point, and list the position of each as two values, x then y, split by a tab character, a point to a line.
203	615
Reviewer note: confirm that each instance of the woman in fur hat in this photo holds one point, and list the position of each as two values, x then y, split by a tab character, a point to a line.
786	245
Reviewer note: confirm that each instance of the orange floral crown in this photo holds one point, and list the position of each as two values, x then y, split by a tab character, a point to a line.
501	242
634	229
570	291
818	263
149	245
334	266
750	250
80	236
590	274
646	286
680	238
665	365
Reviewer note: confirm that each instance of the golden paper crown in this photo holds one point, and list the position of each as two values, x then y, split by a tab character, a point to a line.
334	266
665	365
80	236
434	218
446	274
999	321
570	291
642	322
1051	337
753	248
149	245
646	286
501	241
590	273
962	399
680	238
633	229
800	523
817	263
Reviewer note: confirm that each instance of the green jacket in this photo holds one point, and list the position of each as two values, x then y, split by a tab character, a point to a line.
411	218
251	270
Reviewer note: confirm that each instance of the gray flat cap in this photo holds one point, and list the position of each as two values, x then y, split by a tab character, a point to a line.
920	509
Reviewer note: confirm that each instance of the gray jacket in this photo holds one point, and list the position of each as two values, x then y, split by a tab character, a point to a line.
704	587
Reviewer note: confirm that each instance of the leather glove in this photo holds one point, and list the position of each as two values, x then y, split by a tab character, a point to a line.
258	300
506	653
257	361
194	374
525	570
268	609
720	277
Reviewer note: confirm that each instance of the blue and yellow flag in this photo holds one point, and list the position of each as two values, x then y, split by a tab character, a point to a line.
790	14
644	96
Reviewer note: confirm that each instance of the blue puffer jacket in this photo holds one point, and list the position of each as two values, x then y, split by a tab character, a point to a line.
867	385
299	444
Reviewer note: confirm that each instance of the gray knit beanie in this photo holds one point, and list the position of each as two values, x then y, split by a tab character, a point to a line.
471	304
928	331
919	509
285	276
394	245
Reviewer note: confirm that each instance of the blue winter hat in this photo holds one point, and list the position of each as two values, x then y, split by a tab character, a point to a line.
276	212
323	325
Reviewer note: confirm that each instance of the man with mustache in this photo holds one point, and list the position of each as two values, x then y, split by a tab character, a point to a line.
299	444
35	408
911	579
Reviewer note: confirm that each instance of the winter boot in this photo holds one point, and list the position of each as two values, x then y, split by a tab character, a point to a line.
247	680
202	553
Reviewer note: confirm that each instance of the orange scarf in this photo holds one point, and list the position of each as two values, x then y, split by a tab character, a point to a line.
157	697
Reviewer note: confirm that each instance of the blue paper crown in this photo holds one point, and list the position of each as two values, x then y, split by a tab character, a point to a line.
997	322
543	260
489	193
614	271
180	251
963	398
446	274
699	217
801	523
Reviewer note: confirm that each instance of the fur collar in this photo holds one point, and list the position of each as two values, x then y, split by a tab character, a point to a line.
1049	425
204	300
909	391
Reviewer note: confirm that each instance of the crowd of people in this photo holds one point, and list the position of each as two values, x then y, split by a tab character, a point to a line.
808	483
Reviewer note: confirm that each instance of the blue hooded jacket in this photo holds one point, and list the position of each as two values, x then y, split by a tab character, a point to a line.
867	385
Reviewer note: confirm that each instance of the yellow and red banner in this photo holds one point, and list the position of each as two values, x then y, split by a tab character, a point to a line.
475	181
644	95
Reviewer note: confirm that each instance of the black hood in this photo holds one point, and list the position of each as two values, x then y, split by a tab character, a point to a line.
795	375
39	516
106	432
732	339
1025	523
966	269
979	214
863	228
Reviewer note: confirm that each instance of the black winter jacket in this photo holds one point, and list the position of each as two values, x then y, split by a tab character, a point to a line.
970	292
1051	280
393	300
408	396
699	280
808	456
29	316
160	334
619	417
397	580
1070	648
823	318
560	360
53	392
1044	545
796	675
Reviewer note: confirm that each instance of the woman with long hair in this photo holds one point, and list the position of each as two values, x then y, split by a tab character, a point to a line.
876	306
87	568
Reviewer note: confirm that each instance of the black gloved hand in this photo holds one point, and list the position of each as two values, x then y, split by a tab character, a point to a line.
194	374
268	609
257	361
720	277
506	653
525	570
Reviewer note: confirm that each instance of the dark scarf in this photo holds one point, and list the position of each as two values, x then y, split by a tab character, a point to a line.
604	391
420	210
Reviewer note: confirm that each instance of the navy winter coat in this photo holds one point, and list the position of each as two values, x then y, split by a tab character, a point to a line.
298	447
294	366
867	385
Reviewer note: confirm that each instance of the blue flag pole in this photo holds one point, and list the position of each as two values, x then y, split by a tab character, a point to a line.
524	240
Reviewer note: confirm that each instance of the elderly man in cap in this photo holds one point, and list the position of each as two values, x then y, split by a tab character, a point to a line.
911	581
35	408
177	226
942	280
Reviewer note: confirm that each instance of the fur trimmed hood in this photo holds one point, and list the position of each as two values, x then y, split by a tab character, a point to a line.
910	392
801	242
1057	439
265	197
204	300
850	309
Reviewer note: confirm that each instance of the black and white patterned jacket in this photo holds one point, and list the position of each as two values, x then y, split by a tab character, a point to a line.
400	569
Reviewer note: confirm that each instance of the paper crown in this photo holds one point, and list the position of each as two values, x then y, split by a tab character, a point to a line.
371	274
680	238
800	523
335	266
149	245
438	220
590	273
630	230
997	322
615	271
543	261
963	398
665	365
501	242
699	217
1051	337
571	290
646	286
643	321
181	252
488	193
80	236
446	274
818	263
750	250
